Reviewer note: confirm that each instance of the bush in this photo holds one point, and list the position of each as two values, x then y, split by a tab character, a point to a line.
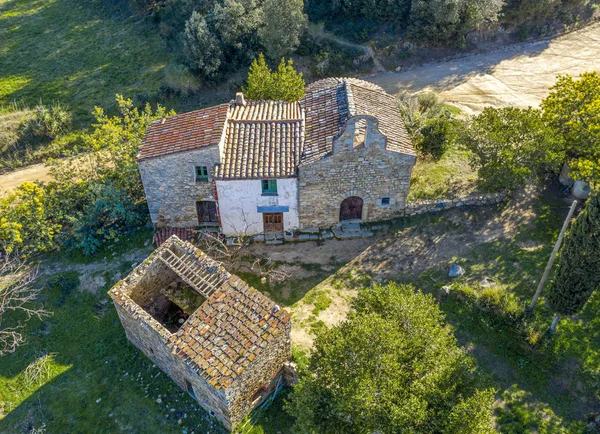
201	47
436	136
110	214
50	121
180	80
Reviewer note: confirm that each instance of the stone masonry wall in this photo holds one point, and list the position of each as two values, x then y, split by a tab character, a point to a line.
367	170
150	337
423	206
171	187
258	374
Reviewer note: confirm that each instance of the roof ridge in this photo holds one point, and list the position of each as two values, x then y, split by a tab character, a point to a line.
350	99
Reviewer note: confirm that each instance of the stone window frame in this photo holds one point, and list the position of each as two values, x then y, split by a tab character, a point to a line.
387	199
269	187
203	177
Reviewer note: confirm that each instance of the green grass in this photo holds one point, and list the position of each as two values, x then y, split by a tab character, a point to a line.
77	53
441	179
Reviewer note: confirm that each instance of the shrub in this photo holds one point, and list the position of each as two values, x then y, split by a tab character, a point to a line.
284	22
50	121
436	136
110	214
180	80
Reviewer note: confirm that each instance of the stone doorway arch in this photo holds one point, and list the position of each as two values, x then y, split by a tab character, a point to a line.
351	208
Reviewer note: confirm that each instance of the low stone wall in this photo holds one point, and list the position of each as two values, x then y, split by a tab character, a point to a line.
420	207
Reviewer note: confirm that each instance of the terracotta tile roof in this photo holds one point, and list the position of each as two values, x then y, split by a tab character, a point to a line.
330	102
226	333
184	132
263	139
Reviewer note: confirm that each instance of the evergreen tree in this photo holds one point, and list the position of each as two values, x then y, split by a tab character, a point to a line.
285	84
260	80
284	22
578	273
288	85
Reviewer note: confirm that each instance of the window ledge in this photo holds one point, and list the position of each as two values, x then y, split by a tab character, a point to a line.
201	181
270	194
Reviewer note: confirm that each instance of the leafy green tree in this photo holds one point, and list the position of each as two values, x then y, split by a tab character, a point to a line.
573	108
201	47
284	23
511	146
436	136
578	273
393	366
285	84
417	110
236	20
451	20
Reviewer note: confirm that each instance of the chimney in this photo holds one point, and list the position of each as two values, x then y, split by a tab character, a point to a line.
239	99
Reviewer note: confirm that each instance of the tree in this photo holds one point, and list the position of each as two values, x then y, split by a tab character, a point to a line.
578	273
393	366
284	23
510	146
201	47
573	109
451	20
235	20
17	296
285	84
417	110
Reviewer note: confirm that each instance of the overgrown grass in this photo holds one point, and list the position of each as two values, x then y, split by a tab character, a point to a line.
449	177
77	53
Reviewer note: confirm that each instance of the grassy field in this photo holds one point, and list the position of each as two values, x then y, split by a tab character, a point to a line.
77	53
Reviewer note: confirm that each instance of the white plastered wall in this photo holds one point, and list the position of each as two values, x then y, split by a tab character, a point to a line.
239	201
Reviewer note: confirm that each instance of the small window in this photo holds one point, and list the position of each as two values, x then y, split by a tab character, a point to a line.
201	174
385	201
269	187
190	389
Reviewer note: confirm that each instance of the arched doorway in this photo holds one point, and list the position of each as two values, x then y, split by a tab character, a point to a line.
351	208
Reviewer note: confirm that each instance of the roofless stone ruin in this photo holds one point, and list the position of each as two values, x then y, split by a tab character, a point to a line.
219	339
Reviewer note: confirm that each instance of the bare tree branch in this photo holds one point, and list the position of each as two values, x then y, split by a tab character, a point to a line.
17	294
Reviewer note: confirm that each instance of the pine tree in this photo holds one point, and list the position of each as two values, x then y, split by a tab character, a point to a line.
578	273
285	84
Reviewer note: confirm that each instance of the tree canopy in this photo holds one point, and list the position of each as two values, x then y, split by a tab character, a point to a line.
510	146
284	84
578	273
573	109
393	366
284	23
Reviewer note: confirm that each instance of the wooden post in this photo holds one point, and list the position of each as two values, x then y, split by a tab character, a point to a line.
552	257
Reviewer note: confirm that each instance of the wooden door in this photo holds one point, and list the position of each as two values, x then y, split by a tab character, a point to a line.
207	211
273	222
351	208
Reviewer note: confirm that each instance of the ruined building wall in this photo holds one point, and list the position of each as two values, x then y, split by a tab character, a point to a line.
258	374
359	166
171	187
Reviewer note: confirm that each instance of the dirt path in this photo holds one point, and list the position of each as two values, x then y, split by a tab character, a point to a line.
36	172
318	30
518	75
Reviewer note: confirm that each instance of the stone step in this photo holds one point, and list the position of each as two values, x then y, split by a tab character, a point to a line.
350	227
273	242
339	234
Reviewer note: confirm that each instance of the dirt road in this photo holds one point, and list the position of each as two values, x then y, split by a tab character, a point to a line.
517	75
